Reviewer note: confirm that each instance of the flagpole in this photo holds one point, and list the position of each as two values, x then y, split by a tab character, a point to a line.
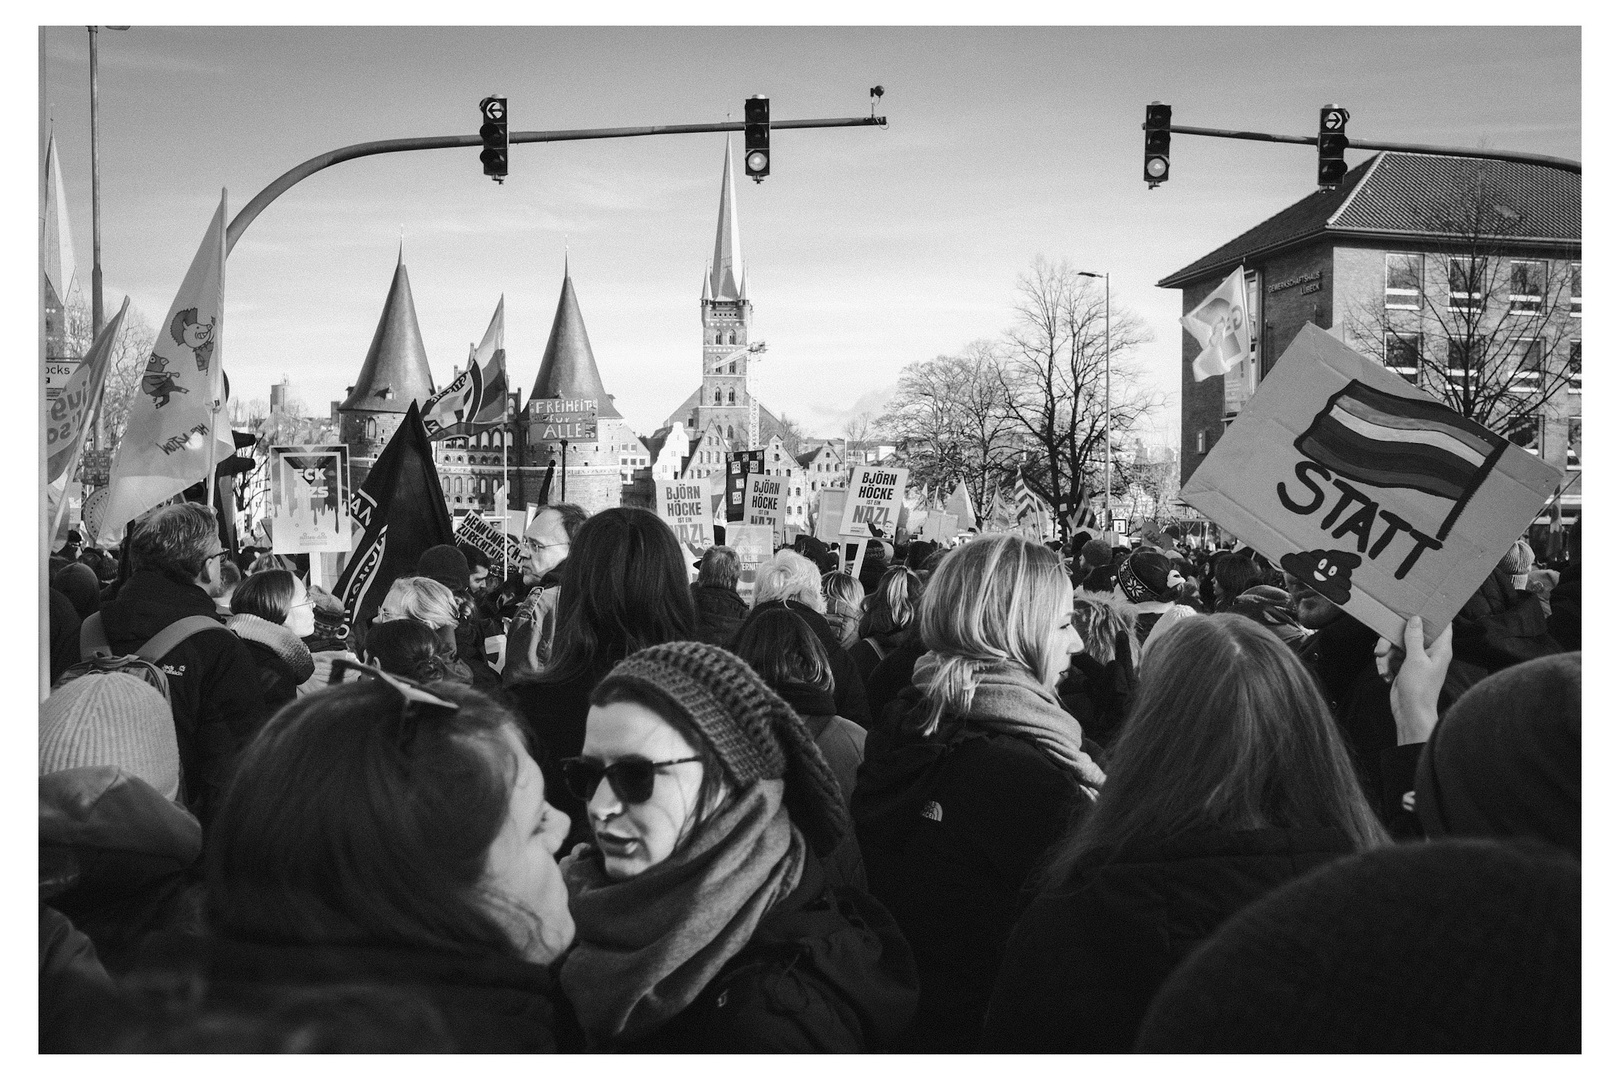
506	491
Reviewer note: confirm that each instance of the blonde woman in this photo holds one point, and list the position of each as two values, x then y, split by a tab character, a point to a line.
433	605
793	581
844	597
974	773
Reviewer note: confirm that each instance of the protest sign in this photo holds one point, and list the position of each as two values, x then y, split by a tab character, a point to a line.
830	515
762	501
752	543
685	507
940	527
739	466
309	499
561	419
875	496
851	554
1368	490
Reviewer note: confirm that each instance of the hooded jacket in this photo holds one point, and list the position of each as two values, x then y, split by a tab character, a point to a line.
214	687
115	856
1085	960
826	972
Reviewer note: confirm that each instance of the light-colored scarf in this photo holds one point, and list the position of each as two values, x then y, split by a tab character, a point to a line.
646	947
279	639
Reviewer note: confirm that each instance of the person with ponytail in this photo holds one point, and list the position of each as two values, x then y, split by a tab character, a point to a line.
973	773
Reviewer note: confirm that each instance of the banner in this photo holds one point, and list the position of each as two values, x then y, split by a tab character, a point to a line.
752	543
875	495
739	465
176	429
1220	324
762	502
1366	489
475	400
685	506
309	499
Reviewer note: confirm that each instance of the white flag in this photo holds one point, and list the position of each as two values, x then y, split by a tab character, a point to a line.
177	427
1221	325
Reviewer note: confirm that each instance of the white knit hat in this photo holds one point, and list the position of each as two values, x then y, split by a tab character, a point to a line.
110	718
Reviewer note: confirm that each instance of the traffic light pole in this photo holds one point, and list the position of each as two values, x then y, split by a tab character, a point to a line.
1364	144
286	180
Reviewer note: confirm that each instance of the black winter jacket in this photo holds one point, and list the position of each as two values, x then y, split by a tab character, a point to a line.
849	692
719	612
826	972
213	682
893	674
950	828
1085	960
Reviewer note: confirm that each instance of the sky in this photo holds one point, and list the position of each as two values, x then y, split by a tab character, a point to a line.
866	248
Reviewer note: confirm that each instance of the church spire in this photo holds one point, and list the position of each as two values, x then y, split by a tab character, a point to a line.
725	276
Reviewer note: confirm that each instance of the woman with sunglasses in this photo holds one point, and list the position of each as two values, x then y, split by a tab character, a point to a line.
1228	780
705	920
387	833
973	773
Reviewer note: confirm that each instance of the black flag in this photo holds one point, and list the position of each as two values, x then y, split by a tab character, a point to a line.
401	509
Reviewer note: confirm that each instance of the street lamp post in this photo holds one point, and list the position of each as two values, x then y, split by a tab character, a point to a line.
1108	396
95	204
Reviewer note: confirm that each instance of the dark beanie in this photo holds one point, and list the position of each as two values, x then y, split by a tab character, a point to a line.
1145	576
1505	760
755	734
79	584
1453	946
445	564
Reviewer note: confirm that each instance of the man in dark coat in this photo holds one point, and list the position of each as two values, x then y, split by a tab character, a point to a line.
719	609
547	541
214	688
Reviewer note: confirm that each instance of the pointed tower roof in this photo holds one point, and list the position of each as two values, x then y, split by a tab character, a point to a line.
56	241
568	368
396	369
725	274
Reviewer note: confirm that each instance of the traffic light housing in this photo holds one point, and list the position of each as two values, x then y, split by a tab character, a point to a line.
757	137
1331	143
493	132
1156	145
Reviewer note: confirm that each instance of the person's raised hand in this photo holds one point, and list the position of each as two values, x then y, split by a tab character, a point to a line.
1419	673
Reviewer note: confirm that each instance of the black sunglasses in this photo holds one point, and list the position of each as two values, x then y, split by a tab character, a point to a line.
631	778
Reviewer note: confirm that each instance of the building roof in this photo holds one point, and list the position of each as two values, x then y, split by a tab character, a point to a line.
725	280
396	369
568	368
1400	194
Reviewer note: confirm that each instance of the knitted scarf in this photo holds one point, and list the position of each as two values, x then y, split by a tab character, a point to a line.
287	646
646	947
1009	700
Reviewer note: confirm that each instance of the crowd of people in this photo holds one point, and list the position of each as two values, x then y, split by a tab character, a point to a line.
993	796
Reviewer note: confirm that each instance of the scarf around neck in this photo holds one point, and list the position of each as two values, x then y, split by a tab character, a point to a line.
279	639
646	947
1009	700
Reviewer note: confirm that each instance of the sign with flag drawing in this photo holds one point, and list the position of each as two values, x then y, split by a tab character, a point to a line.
1220	324
475	400
1366	489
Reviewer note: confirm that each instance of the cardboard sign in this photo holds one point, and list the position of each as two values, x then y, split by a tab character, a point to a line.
739	466
940	527
488	537
1371	492
309	499
752	543
686	508
876	493
762	501
851	554
562	419
830	516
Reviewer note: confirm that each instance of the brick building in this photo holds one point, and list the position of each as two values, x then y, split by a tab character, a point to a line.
1461	274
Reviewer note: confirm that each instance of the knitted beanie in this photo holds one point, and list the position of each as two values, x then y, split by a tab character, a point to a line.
1454	946
1505	760
445	564
1145	576
110	718
755	734
79	584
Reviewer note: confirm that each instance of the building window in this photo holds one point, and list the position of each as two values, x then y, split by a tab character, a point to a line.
1527	286
1403	281
717	395
371	427
1402	353
731	397
1524	360
729	433
1525	431
1575	289
733	370
1574	367
1464	277
1572	452
1461	363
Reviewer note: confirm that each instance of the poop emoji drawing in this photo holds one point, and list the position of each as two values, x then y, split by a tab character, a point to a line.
1327	572
158	382
197	336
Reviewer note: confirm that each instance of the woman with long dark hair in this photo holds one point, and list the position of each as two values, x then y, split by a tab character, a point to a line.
705	921
888	618
623	588
388	833
1228	779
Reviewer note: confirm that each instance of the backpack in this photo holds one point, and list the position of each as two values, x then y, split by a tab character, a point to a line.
98	659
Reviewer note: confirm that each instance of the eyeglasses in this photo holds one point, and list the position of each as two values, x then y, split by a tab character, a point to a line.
535	545
631	778
414	698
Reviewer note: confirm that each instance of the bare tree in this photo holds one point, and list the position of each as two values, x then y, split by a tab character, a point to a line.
949	421
793	436
1055	374
857	432
125	366
1481	325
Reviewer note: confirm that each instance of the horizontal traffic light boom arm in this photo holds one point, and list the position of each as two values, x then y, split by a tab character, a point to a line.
286	180
1364	144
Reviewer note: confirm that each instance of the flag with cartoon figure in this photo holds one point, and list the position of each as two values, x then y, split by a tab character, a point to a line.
1221	325
1366	489
177	429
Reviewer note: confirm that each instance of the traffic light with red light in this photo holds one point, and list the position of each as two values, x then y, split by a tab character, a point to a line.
493	132
757	137
1331	143
1156	145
